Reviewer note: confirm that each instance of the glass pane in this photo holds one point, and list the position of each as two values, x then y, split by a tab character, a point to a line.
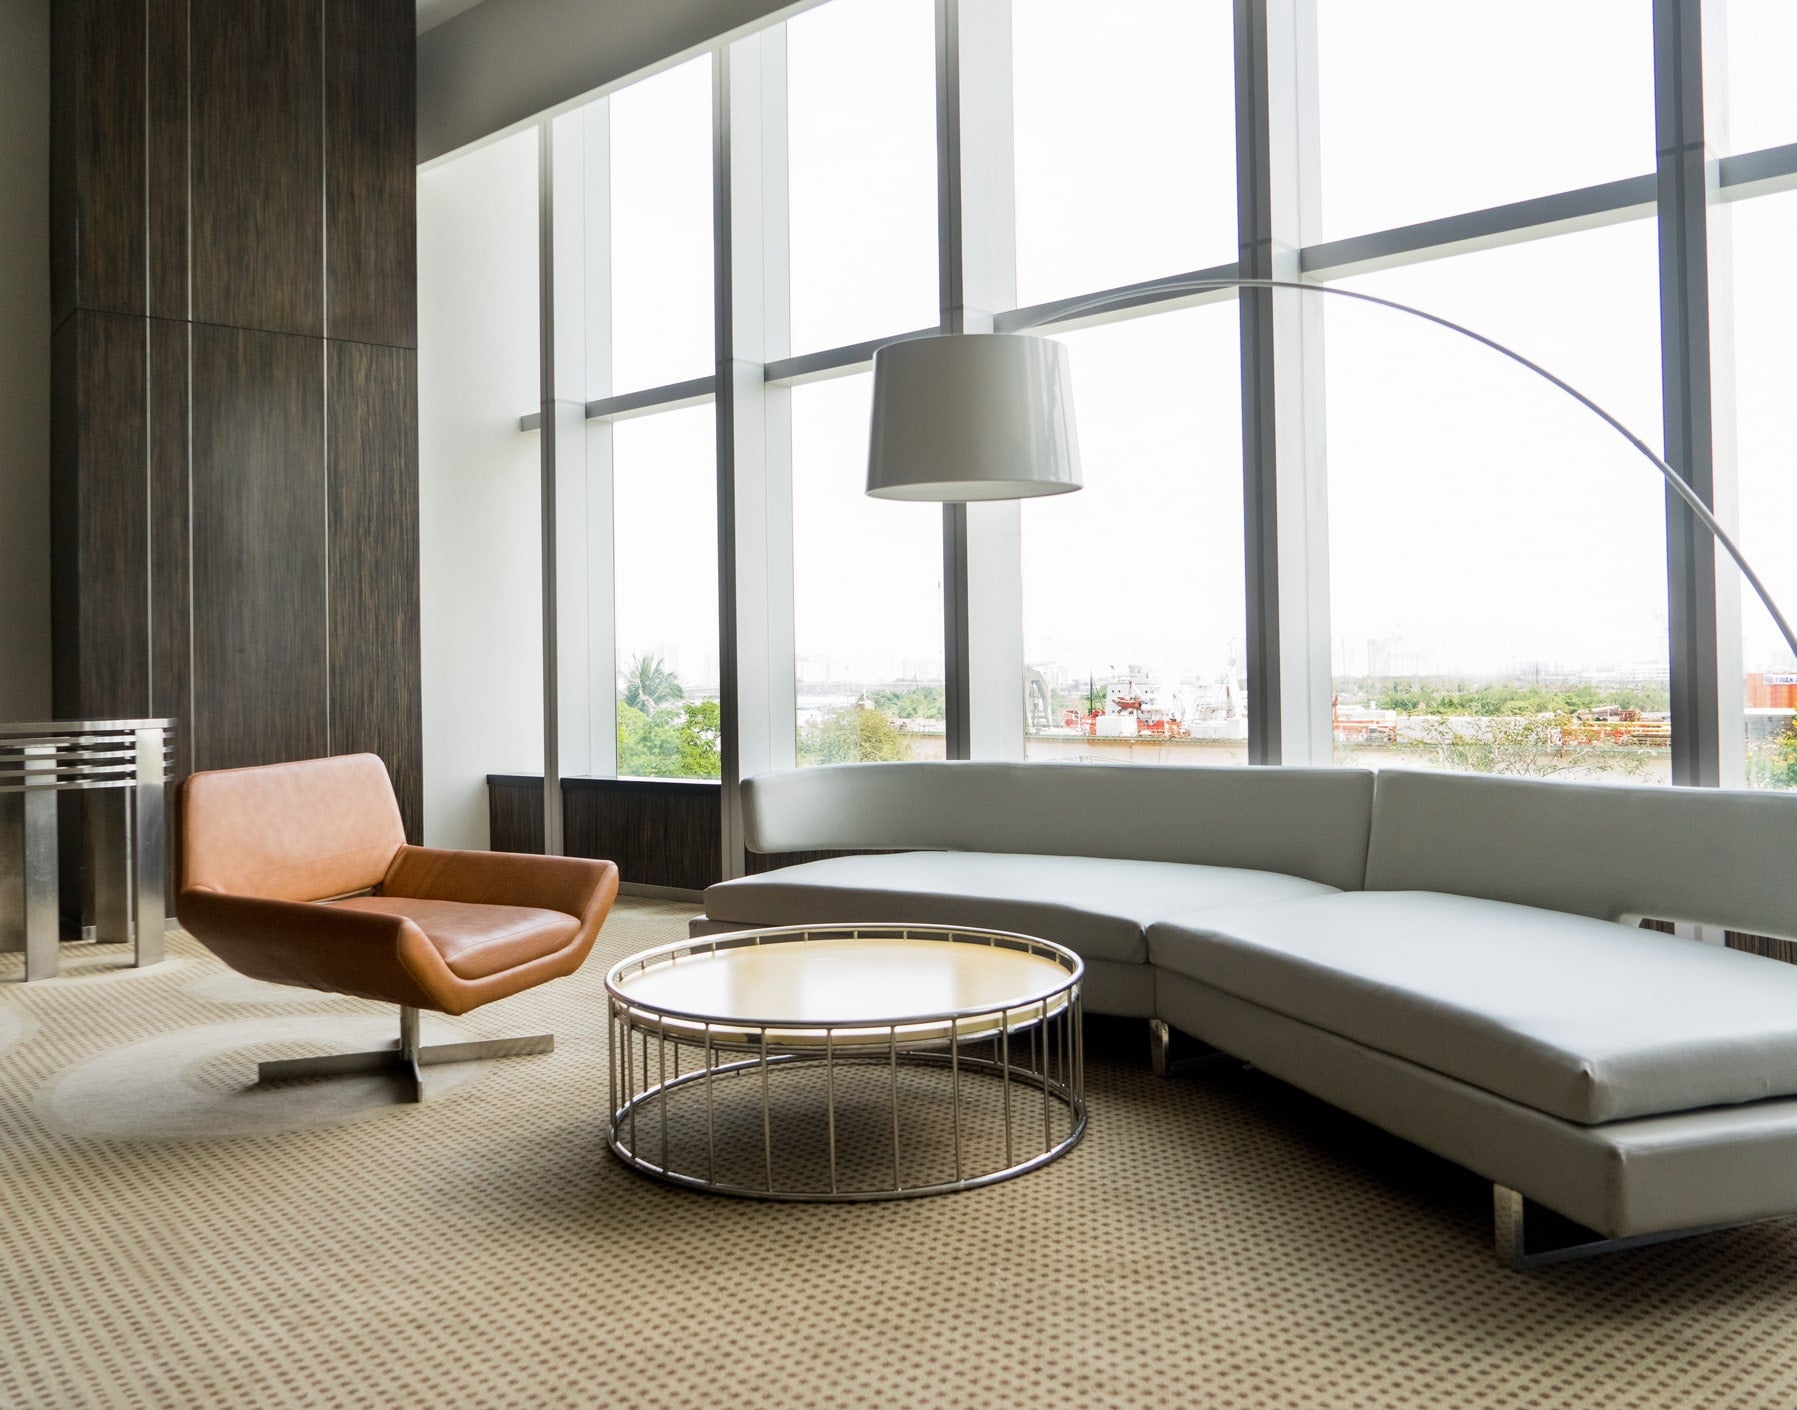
1497	553
1758	38
664	498
1428	109
661	250
867	593
861	110
1125	142
1765	354
1133	610
478	483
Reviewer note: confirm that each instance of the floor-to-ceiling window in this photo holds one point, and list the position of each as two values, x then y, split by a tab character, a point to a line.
1481	571
1755	288
860	127
1133	615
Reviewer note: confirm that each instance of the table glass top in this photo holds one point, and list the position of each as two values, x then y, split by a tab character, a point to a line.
841	981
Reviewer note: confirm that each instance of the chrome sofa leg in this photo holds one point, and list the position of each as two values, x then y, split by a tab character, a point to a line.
407	1058
1160	1040
1509	1226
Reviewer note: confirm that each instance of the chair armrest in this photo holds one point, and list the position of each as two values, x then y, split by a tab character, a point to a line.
369	955
575	886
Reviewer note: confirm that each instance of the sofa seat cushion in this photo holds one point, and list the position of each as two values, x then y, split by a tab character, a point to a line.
1589	1020
1098	907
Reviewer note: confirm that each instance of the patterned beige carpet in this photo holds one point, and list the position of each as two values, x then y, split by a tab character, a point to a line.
175	1237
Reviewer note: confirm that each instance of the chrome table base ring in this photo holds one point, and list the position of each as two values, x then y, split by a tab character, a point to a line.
845	1063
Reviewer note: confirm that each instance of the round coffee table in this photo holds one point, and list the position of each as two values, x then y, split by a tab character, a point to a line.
846	1062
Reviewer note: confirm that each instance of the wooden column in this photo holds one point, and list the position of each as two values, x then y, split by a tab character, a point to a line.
235	446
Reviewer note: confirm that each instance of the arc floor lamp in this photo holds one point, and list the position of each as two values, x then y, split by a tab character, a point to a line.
964	417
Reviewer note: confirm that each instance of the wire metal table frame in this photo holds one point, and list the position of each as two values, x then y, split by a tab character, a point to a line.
1027	1040
127	832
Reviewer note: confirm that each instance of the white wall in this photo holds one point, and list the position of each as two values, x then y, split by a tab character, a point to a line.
479	496
24	359
506	60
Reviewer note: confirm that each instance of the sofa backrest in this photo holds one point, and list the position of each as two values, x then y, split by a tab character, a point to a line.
1716	856
1303	822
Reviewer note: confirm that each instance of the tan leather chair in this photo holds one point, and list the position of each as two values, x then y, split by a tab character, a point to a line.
300	874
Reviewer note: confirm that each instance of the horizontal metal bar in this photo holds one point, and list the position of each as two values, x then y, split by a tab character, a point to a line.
1126	300
327	1065
671	397
652	399
835	362
60	727
1757	173
435	1054
1587	207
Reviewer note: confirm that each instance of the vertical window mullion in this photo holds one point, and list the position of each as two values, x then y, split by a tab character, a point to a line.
1703	610
1285	495
982	586
754	463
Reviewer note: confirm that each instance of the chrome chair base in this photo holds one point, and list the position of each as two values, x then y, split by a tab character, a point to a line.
407	1058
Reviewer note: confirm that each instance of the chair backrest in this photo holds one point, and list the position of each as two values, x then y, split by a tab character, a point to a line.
1304	822
1710	855
303	831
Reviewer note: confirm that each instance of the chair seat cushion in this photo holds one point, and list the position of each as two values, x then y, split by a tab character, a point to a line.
1098	907
477	941
1586	1019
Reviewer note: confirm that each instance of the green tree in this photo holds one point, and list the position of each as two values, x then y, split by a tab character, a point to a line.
1773	764
1530	746
648	745
647	684
701	727
920	702
852	735
669	744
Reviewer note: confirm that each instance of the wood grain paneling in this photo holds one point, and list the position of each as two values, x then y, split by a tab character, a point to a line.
171	577
772	861
258	165
370	172
104	112
660	833
375	667
166	52
112	537
65	519
171	566
260	689
515	813
205	565
64	81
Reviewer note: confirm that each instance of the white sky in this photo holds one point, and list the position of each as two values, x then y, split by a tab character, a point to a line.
1478	521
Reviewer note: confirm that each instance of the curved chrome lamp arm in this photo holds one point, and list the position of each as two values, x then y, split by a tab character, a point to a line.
1672	477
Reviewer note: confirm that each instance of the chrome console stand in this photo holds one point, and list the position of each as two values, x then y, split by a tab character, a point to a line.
128	760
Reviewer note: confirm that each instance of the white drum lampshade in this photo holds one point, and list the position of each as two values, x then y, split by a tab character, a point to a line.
972	416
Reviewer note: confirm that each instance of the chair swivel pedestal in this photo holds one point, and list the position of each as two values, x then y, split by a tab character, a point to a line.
300	874
405	1060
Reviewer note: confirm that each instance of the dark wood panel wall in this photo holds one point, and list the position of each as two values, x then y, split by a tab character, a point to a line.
660	832
235	457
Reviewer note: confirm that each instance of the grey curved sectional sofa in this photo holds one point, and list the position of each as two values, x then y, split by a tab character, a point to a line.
1454	958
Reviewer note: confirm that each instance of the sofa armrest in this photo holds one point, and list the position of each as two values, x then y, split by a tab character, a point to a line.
576	886
372	956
